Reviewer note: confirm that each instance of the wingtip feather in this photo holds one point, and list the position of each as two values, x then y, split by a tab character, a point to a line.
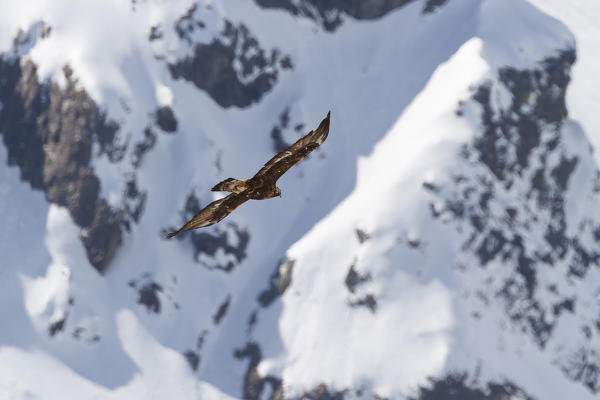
324	125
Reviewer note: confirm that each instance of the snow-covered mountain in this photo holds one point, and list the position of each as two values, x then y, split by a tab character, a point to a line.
443	243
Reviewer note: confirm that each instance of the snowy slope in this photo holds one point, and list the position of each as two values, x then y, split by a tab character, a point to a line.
442	240
583	96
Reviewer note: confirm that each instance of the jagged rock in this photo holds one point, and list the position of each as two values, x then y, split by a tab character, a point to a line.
103	236
143	146
354	279
221	310
455	386
322	392
187	24
279	143
280	280
368	301
213	67
584	366
432	5
331	13
57	326
148	294
510	198
192	358
49	133
206	244
165	119
254	384
155	33
134	201
362	236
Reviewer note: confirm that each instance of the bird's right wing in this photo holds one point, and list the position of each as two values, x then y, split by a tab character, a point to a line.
212	213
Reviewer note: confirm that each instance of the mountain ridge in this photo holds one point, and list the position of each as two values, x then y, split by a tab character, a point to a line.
437	245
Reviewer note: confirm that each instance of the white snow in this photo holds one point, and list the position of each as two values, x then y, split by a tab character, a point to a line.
393	86
582	18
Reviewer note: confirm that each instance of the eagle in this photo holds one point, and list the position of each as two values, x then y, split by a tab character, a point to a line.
261	186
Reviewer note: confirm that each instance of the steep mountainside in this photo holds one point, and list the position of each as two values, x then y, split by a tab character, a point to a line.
443	243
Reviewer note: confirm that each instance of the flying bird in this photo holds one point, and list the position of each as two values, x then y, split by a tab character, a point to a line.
261	186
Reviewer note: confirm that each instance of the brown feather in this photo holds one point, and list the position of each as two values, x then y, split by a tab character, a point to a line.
260	186
287	158
212	213
230	185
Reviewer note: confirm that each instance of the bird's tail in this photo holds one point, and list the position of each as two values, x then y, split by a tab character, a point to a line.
230	185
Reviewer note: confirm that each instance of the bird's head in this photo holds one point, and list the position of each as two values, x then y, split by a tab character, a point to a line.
277	191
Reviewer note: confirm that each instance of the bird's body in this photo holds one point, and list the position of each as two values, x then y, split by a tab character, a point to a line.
262	185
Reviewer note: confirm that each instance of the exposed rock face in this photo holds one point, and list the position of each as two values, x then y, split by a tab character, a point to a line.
165	119
280	280
148	296
49	132
510	200
279	144
134	201
142	147
330	13
192	358
222	310
103	237
231	240
322	392
457	386
354	278
233	69
188	23
454	386
255	386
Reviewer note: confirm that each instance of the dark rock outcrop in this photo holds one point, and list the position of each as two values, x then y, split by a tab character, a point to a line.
143	146
330	14
192	358
134	201
165	119
322	392
515	149
279	143
361	235
148	291
208	243
213	66
280	280
103	236
354	278
457	386
254	385
509	198
222	310
369	301
49	133
583	366
57	326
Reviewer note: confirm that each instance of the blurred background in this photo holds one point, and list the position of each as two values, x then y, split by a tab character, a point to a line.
443	243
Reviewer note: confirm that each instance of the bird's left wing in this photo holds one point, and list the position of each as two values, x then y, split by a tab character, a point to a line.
285	159
212	213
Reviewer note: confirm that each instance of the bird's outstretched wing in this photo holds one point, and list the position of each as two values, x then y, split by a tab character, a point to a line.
212	213
285	159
